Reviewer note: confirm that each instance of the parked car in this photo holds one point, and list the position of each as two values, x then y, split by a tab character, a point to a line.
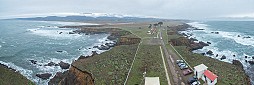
192	79
179	61
195	83
183	67
180	64
187	72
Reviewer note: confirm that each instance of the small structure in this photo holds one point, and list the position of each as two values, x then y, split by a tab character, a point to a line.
209	77
199	70
152	81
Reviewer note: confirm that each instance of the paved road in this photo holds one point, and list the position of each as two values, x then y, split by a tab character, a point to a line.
176	79
164	64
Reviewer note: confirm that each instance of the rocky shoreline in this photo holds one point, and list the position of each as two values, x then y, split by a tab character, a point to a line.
74	73
194	44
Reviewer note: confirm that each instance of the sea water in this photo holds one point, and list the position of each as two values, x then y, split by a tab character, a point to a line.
233	38
21	41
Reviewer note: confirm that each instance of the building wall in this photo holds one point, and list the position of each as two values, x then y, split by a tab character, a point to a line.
200	74
208	81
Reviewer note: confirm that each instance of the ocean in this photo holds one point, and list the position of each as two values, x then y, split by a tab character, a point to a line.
232	38
21	41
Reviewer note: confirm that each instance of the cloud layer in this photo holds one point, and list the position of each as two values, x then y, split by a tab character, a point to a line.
182	9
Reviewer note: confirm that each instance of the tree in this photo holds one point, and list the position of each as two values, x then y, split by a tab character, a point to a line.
155	25
150	26
160	23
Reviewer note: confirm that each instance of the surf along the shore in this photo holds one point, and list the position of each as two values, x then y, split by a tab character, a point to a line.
224	41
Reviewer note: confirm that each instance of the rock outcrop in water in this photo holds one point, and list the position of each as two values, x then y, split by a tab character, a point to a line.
44	76
64	65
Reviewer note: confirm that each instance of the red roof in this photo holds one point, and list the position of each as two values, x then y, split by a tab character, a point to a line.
210	75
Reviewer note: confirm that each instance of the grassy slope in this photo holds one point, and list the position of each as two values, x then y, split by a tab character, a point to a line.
111	67
9	77
148	57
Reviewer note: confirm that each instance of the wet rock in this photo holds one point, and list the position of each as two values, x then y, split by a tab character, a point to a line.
247	37
64	65
217	55
83	57
60	32
237	63
110	44
233	55
95	46
193	39
202	53
51	64
253	57
223	57
104	47
71	33
44	76
246	56
57	78
59	51
216	32
209	52
238	36
251	62
209	43
33	61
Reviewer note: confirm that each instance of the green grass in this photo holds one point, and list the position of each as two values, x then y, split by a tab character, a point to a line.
228	74
9	77
148	59
111	67
140	32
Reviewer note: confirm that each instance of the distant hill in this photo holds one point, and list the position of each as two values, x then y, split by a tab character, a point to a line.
104	18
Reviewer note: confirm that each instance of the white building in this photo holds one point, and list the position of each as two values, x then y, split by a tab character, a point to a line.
199	70
207	76
210	78
152	81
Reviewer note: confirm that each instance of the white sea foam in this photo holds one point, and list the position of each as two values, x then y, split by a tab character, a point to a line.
55	33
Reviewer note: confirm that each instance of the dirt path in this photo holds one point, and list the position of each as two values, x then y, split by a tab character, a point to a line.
166	71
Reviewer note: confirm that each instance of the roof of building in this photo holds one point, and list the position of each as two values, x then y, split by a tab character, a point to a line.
200	67
152	81
210	75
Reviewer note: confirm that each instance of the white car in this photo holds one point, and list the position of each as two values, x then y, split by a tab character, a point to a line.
195	83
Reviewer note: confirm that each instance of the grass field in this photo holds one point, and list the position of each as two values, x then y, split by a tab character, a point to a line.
9	77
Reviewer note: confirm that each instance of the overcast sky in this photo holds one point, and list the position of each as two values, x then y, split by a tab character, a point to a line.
181	9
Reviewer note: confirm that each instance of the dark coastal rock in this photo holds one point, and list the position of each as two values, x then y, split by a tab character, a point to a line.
60	32
112	37
247	37
110	44
252	57
209	43
83	57
251	62
59	51
217	55
246	56
209	52
216	32
104	47
95	46
203	43
223	57
44	76
193	39
64	65
51	64
238	36
237	63
57	78
33	61
71	33
233	55
202	53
